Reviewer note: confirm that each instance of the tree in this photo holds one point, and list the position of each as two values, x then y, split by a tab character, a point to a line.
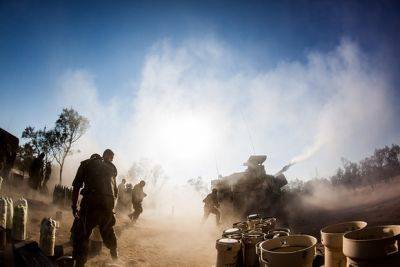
198	184
33	139
38	141
392	160
379	161
351	173
24	157
147	170
70	127
337	179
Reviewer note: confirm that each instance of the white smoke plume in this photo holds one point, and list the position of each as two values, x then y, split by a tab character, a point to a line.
358	109
308	153
185	112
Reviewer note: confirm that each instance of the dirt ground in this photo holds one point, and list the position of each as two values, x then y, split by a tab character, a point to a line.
167	242
184	241
151	241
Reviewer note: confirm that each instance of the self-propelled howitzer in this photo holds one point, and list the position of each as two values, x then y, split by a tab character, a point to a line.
251	191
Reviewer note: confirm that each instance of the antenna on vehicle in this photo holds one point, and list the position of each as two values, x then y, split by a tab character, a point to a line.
216	164
248	132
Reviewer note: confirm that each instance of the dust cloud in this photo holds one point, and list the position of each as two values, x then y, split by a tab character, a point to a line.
183	111
328	197
169	232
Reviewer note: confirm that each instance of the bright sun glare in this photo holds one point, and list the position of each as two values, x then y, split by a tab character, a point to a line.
186	136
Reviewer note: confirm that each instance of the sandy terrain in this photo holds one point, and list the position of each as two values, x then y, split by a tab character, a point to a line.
152	241
166	242
172	241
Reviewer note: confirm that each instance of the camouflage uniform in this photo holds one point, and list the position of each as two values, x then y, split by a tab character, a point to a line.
137	198
36	173
96	207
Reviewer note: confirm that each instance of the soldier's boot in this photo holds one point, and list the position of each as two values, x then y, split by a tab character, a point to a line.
114	253
133	216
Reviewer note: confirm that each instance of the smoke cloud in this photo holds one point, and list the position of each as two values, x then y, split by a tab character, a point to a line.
187	110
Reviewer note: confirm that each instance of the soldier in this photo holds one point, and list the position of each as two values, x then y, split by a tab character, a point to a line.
128	197
137	197
36	172
124	201
97	175
121	191
47	174
121	186
211	205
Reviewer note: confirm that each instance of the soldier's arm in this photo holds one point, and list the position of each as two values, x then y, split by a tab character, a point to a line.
77	185
115	181
143	193
115	171
115	187
75	195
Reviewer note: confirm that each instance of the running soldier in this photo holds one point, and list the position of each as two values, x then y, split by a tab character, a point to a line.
137	198
211	205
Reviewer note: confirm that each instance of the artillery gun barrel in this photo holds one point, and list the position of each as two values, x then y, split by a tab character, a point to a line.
284	169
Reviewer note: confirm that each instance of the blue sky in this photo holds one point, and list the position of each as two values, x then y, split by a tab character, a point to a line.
43	43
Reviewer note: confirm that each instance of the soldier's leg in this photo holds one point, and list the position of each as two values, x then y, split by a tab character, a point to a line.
137	206
139	209
81	231
215	211
107	233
